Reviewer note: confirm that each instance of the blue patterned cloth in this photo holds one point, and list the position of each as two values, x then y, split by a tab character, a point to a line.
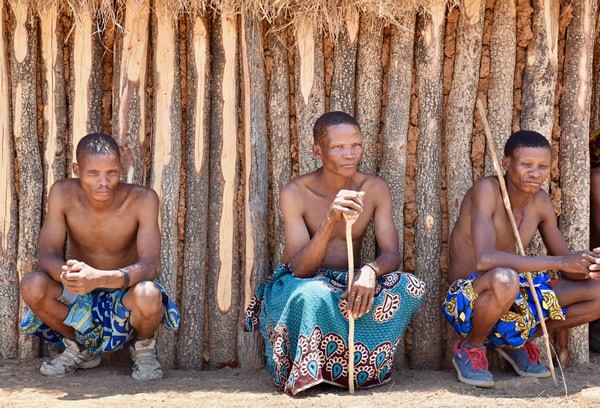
305	327
100	320
518	324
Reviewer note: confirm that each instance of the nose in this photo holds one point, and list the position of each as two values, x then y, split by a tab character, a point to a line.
103	180
349	152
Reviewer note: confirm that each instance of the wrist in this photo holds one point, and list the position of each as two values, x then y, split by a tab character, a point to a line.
371	267
125	278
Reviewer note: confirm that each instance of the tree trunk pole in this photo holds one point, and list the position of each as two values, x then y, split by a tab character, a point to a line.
191	339
428	232
397	111
129	96
539	78
53	97
86	77
25	133
343	83
310	89
256	217
166	165
279	131
224	232
503	48
574	145
9	277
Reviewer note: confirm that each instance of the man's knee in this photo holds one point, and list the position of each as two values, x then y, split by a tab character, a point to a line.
34	287
146	297
505	283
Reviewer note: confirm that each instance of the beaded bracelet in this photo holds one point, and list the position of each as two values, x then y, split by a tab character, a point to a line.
125	278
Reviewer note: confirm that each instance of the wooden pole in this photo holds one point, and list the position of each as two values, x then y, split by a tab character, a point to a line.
349	221
515	229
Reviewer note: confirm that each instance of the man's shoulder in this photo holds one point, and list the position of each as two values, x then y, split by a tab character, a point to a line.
64	186
140	193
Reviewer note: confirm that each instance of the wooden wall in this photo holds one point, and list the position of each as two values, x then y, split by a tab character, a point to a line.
215	112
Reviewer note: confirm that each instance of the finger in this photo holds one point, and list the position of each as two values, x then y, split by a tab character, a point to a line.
596	250
594	267
356	308
595	275
350	204
364	304
370	306
72	262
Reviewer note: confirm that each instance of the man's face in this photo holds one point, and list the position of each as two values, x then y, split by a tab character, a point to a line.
99	174
528	167
341	149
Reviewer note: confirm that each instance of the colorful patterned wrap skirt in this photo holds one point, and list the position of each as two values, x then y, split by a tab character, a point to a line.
518	324
305	327
100	320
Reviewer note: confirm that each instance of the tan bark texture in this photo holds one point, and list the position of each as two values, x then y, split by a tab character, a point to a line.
9	277
428	58
343	83
503	45
191	337
23	69
574	152
129	96
461	105
256	172
166	164
280	155
86	77
310	89
396	119
54	129
539	78
223	240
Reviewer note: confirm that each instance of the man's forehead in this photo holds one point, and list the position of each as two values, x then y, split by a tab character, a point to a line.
102	159
533	152
341	132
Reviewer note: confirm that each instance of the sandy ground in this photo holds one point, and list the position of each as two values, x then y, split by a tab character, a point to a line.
111	385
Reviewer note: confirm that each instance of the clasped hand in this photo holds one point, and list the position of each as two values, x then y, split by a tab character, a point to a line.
78	277
584	262
360	300
346	202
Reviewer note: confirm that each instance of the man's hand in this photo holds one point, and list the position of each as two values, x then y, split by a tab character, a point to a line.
346	202
585	263
79	278
361	299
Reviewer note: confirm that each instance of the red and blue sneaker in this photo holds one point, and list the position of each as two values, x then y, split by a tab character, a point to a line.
525	361
471	365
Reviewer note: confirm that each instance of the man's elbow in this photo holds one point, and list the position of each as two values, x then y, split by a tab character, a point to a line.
483	264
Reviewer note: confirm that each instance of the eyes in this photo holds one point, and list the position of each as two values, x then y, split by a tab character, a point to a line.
110	173
532	165
340	147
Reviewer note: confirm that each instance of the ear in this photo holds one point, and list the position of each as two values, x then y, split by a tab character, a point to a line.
505	162
75	169
316	149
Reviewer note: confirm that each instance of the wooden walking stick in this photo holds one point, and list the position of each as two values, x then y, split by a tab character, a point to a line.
350	219
506	200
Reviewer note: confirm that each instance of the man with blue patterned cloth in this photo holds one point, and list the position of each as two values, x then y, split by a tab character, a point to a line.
302	310
104	298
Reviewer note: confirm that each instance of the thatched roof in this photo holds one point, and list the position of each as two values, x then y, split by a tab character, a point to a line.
329	15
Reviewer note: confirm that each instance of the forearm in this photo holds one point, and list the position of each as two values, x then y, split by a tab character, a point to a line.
386	263
129	275
518	263
309	258
51	265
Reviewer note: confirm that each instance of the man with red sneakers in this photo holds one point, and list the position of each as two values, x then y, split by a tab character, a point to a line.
489	302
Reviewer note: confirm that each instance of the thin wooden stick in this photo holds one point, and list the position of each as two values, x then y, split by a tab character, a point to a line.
506	200
349	222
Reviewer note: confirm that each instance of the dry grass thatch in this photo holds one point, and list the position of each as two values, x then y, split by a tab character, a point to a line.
327	15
